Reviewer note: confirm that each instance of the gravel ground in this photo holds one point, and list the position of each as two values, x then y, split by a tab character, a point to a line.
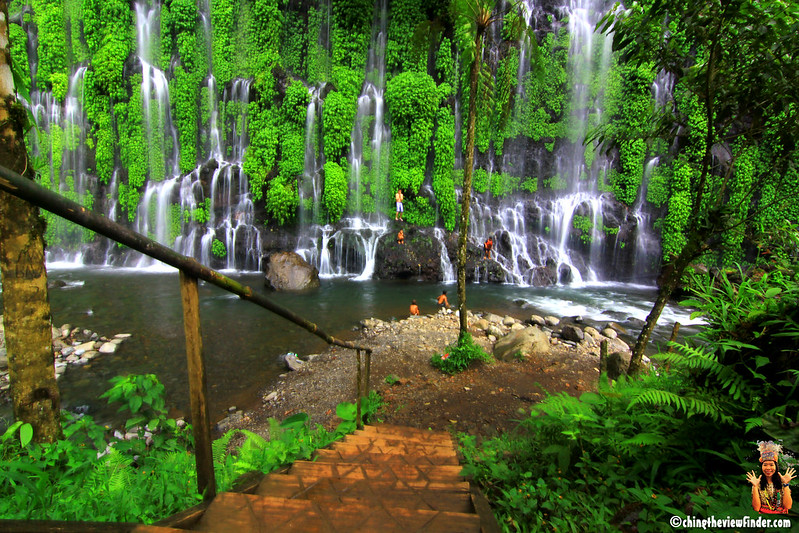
484	400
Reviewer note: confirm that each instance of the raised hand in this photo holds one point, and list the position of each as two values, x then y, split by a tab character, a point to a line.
789	474
754	480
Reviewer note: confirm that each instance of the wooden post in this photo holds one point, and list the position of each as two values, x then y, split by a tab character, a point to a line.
368	372
200	420
603	359
674	332
358	421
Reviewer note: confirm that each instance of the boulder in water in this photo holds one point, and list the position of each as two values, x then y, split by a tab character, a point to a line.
287	271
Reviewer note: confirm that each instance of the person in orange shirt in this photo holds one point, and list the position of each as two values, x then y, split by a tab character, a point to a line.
401	237
442	300
488	246
414	308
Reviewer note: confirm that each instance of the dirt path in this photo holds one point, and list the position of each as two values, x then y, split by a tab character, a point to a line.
483	400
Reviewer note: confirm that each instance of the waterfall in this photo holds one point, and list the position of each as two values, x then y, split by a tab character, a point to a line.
162	137
346	250
447	269
311	187
74	159
569	230
371	112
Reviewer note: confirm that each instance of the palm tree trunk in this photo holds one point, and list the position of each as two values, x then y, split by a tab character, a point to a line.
466	196
26	307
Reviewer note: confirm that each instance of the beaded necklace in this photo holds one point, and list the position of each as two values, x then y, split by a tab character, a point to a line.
771	497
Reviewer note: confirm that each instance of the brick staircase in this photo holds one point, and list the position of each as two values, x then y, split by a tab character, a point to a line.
380	479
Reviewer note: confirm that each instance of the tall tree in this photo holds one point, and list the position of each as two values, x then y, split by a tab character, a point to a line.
472	18
26	307
733	127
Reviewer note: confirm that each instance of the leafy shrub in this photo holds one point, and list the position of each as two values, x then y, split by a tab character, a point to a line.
459	356
92	475
218	249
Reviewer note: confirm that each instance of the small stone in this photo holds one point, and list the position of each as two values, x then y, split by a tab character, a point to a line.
108	347
271	396
466	388
231	409
122	335
610	333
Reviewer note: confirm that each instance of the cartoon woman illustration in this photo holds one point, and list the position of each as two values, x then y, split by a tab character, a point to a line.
770	491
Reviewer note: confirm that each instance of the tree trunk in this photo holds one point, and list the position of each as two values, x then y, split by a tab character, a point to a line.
26	308
466	197
671	278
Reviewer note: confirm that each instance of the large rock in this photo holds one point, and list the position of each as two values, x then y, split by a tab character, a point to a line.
572	333
528	341
419	258
287	271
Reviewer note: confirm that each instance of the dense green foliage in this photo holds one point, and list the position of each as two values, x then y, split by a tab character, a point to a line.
675	442
94	474
412	101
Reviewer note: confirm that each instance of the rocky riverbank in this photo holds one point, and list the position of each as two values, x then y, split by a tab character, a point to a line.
534	356
72	347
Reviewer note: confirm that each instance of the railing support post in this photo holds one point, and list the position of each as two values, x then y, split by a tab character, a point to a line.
200	420
359	392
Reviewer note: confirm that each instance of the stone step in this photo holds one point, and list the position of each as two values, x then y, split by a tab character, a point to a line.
413	476
244	513
407	433
379	455
440	497
365	440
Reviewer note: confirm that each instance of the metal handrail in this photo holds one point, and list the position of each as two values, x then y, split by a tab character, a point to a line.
190	271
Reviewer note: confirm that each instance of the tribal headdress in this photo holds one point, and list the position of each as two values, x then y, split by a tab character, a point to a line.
769	450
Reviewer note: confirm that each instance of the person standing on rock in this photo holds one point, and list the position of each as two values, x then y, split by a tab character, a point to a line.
488	246
442	300
398	198
414	308
401	237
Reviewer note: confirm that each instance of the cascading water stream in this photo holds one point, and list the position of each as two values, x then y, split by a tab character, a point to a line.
447	269
371	111
161	132
354	240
